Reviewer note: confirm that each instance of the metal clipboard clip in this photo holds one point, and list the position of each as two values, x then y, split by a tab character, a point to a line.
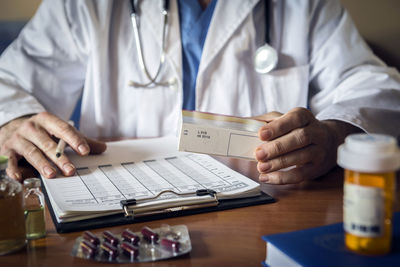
131	208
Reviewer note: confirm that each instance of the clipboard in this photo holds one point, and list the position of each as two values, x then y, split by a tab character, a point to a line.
122	218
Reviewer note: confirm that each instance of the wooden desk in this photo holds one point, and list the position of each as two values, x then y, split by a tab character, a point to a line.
225	238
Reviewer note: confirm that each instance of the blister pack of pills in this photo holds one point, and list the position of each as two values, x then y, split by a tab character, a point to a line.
144	246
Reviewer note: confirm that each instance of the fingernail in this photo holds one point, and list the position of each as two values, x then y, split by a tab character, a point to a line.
68	168
48	171
264	166
266	134
264	178
260	154
83	149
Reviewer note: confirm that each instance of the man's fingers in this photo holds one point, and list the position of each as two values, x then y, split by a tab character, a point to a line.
39	133
12	166
292	176
34	156
298	157
296	118
34	139
61	129
64	164
296	139
96	147
41	139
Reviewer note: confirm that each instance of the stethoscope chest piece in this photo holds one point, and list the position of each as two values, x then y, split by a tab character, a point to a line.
265	59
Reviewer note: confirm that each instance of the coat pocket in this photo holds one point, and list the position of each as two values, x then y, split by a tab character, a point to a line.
285	89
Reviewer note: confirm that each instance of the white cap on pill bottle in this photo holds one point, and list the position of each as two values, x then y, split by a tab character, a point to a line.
369	153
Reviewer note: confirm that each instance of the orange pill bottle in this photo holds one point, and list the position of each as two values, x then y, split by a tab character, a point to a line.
370	162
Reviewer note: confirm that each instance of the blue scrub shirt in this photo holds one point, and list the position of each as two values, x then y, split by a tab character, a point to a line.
194	23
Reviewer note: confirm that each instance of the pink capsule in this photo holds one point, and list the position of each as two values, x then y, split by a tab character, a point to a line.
130	237
110	238
88	249
149	235
171	245
92	238
109	250
129	250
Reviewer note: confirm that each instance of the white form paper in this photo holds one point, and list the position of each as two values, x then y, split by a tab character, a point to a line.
140	169
219	135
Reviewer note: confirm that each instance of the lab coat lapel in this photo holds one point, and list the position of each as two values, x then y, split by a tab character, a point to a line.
228	16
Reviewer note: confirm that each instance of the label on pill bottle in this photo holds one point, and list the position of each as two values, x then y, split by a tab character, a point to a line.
363	209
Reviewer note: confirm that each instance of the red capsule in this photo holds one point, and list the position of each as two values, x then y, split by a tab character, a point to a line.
171	245
149	235
130	237
129	250
109	250
110	238
92	238
88	249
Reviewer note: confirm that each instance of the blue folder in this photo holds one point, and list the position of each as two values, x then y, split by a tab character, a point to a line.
324	246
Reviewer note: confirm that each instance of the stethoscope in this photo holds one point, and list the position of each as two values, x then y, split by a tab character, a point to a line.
265	59
152	80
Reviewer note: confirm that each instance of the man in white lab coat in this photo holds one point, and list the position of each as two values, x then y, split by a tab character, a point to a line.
327	83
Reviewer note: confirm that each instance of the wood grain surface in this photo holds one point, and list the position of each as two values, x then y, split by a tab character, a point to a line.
225	238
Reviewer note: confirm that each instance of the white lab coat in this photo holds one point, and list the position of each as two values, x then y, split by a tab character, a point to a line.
75	47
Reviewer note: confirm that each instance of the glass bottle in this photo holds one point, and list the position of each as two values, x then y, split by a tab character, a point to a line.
12	223
34	209
370	162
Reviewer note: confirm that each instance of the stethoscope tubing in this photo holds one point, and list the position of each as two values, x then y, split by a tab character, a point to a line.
262	65
266	57
152	80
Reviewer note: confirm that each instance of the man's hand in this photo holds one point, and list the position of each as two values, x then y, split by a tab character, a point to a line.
298	139
33	138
